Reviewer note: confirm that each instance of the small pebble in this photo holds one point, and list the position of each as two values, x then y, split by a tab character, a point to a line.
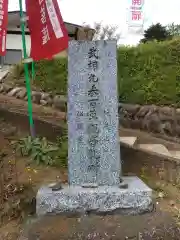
161	195
172	203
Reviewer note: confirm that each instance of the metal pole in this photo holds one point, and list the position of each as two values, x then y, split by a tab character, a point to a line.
33	70
27	78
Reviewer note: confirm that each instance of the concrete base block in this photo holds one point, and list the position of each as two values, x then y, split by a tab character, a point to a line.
136	199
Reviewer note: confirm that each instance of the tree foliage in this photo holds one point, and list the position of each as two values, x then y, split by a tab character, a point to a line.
173	29
156	32
106	32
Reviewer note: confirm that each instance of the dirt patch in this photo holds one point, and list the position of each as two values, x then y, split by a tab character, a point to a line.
19	182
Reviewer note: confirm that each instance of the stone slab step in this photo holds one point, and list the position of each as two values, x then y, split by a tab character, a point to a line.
130	141
149	138
156	148
175	154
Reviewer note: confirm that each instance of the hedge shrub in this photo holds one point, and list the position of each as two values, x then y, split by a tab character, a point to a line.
51	76
147	74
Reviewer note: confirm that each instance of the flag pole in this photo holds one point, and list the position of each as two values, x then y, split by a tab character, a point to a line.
27	78
33	70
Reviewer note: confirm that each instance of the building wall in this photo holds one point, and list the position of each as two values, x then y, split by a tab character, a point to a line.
15	42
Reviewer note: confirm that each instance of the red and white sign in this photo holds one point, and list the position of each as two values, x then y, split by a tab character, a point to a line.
136	14
3	26
136	9
48	33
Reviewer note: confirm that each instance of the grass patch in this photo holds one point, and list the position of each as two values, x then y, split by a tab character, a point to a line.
41	151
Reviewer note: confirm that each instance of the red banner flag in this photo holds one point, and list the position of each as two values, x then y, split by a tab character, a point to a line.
3	26
48	33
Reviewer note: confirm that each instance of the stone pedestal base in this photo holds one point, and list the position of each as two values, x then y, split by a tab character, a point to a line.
136	199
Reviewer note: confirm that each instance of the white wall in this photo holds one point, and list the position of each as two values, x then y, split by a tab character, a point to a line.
14	41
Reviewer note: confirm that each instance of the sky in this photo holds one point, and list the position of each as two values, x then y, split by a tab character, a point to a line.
115	12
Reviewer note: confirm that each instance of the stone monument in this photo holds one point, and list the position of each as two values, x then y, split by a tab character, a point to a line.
94	164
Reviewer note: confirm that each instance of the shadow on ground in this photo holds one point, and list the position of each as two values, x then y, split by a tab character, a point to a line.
155	225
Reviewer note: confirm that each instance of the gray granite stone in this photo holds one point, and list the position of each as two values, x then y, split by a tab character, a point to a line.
103	199
93	140
94	153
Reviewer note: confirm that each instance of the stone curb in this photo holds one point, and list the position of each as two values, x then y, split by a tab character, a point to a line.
58	102
128	114
162	120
